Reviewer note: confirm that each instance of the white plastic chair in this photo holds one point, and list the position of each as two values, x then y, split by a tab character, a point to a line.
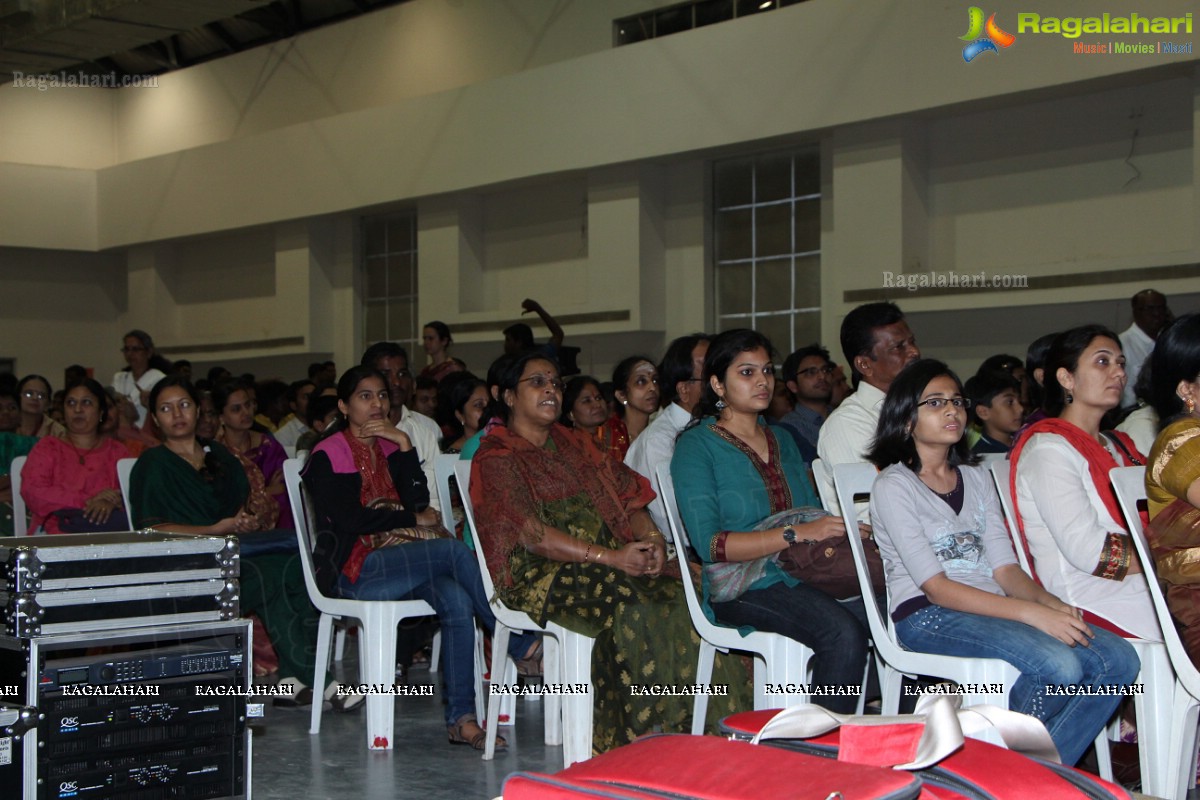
443	469
778	660
1178	774
569	659
823	481
20	514
377	627
124	470
1000	472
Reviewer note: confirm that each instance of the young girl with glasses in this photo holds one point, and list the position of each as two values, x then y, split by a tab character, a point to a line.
954	585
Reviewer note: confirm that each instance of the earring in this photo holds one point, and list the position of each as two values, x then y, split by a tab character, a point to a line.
624	402
1070	398
721	404
1190	405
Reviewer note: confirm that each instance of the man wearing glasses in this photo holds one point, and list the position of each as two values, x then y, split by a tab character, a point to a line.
878	344
808	373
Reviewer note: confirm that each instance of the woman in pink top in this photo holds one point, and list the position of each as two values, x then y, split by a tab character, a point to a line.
70	483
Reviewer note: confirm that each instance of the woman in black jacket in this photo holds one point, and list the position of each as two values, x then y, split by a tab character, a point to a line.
365	479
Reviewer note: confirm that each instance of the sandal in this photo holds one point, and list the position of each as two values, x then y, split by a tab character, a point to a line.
460	733
530	666
343	702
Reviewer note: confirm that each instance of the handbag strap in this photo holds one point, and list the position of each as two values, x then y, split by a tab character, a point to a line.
944	727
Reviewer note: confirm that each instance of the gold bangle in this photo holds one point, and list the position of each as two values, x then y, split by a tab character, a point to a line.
656	532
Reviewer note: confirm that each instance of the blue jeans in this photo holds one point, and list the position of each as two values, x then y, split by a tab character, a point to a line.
833	630
445	574
1073	721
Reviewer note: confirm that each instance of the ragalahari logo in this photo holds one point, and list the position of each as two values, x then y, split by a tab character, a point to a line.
982	37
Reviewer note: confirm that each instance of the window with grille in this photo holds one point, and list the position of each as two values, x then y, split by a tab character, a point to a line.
390	284
767	225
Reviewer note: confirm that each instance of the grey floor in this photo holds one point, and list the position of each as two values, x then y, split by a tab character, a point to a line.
289	764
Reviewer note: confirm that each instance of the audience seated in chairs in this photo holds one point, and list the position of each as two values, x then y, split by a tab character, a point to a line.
954	584
635	385
878	344
233	403
568	540
996	407
585	409
196	486
1065	506
730	474
368	489
70	483
33	392
680	374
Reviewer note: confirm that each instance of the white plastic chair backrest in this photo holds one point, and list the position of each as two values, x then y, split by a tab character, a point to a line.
20	521
443	468
302	514
850	480
462	471
290	450
666	491
823	480
1129	483
1128	493
1001	471
124	471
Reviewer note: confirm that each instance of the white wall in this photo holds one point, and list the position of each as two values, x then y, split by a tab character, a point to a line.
545	163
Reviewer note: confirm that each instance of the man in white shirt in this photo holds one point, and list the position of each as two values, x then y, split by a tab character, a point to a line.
392	360
1150	315
877	344
293	426
680	380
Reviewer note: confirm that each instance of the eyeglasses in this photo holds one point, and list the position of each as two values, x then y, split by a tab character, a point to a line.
34	395
811	371
542	381
937	403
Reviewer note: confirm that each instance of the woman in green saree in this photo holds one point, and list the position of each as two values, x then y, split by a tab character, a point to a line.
567	538
190	485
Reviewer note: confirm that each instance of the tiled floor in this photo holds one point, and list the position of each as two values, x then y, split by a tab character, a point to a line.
289	764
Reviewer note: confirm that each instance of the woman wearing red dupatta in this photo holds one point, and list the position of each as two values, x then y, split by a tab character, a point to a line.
1069	519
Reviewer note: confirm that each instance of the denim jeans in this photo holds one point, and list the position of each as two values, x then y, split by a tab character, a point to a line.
833	630
444	573
1072	720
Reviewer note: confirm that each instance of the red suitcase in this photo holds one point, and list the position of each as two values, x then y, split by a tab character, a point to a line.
709	768
977	770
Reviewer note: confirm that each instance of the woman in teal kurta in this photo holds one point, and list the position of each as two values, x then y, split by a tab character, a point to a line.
730	473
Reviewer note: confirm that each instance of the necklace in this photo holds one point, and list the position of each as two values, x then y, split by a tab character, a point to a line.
190	458
81	453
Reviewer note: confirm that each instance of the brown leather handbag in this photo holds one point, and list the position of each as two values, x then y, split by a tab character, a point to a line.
826	565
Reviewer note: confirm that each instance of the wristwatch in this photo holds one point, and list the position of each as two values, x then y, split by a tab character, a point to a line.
789	534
